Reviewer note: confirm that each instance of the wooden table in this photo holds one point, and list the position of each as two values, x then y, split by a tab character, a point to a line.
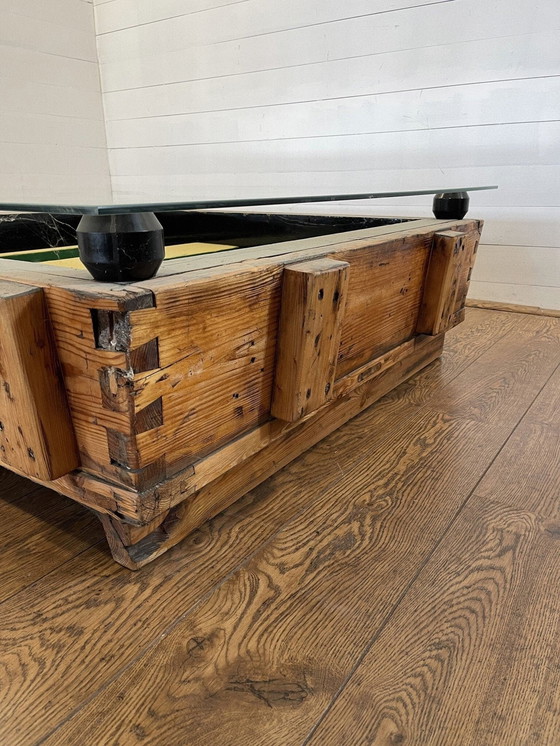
158	403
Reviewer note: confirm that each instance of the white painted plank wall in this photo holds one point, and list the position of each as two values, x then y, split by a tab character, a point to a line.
52	131
258	98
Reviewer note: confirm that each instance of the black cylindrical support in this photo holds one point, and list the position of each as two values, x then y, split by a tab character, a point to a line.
121	248
451	205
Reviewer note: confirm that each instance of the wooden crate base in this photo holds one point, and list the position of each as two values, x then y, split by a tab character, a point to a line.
135	546
167	400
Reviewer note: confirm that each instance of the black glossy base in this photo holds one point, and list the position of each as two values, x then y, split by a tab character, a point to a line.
451	205
121	248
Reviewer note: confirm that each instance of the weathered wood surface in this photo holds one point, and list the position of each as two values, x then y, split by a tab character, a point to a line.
169	382
103	617
232	396
408	555
311	313
36	432
274	434
320	245
442	287
478	328
188	514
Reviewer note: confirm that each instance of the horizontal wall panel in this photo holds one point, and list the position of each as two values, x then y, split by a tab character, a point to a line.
471	105
46	36
531	55
518	265
66	13
521	295
17	64
521	144
28	98
148	64
51	129
76	187
231	21
532	186
115	15
30	158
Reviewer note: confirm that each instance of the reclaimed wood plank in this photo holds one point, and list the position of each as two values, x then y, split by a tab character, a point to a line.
253	457
36	432
442	284
319	245
311	312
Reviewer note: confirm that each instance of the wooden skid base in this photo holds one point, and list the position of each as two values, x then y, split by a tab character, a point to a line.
135	546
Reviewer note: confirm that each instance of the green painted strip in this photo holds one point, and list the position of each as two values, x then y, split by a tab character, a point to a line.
42	256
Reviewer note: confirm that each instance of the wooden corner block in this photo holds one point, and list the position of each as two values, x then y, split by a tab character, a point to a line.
313	302
442	282
36	433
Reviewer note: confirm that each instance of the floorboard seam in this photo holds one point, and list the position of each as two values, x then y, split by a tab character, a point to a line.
400	599
171	626
54	569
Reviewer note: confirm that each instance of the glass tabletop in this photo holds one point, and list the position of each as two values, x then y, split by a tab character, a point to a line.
135	207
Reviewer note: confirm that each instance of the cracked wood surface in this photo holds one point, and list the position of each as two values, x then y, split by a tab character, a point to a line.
392	585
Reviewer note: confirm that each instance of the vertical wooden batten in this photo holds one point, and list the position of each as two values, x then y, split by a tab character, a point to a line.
313	302
36	433
445	285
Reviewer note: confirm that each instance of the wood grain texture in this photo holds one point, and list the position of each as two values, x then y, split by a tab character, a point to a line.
526	474
41	531
311	312
390	482
230	485
36	432
231	653
256	455
235	659
86	628
13	486
217	360
522	361
445	286
466	657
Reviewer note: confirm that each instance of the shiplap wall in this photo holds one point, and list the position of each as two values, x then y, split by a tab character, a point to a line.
52	131
259	97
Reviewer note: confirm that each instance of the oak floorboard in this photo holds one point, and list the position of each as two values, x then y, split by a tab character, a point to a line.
526	474
96	611
40	532
78	606
470	657
546	408
521	361
277	630
108	624
263	655
12	486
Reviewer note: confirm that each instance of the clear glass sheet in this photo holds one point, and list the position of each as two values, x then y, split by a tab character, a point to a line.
123	208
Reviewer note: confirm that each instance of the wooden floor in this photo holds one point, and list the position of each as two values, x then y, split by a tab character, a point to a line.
397	584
